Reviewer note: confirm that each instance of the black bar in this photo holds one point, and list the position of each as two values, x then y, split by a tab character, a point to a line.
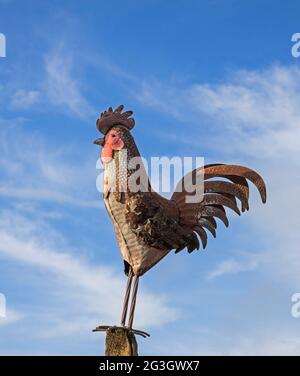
86	365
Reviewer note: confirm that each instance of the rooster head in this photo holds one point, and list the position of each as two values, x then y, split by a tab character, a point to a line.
115	125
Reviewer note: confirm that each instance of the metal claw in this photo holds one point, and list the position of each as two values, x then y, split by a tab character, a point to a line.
104	328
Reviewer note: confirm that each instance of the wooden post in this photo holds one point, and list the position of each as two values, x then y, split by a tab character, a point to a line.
120	342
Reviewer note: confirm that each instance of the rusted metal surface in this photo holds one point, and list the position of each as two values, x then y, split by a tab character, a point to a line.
133	301
126	298
112	117
104	328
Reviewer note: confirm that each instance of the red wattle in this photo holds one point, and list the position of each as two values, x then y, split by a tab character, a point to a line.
107	153
109	147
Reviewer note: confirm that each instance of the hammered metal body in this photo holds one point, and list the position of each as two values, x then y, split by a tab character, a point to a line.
147	225
138	255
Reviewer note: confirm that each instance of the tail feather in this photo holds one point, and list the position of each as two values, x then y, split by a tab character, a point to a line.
217	194
227	189
229	171
204	222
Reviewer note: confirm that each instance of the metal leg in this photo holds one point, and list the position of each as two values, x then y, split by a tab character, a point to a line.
126	298
105	328
133	301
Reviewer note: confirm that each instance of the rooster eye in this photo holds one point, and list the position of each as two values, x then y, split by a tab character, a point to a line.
113	135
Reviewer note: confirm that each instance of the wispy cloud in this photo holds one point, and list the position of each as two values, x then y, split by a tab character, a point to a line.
12	316
62	88
271	344
23	99
232	266
97	290
38	172
257	113
162	98
258	110
40	194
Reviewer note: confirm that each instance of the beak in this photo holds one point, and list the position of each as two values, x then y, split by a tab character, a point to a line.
99	141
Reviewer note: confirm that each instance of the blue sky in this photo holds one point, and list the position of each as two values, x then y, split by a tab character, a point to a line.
211	78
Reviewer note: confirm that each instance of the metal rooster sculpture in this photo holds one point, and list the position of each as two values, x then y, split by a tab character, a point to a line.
147	225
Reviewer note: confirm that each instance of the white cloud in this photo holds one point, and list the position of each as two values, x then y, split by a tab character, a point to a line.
275	344
163	98
39	173
23	99
232	266
11	317
89	292
260	115
61	87
258	110
40	194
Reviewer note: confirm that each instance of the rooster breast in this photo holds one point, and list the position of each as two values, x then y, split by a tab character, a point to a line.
140	255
